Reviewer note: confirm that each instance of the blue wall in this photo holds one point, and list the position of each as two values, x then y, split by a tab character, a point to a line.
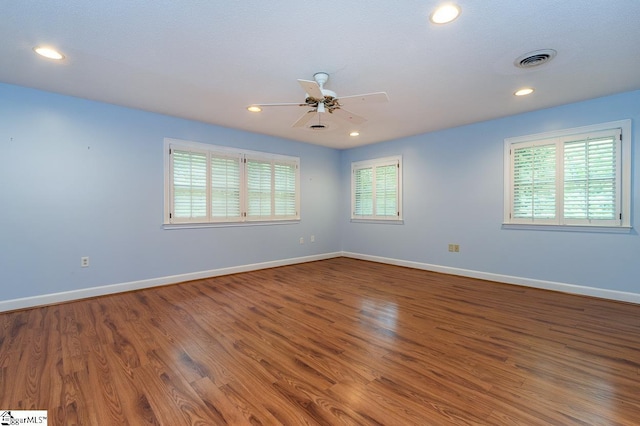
82	178
453	193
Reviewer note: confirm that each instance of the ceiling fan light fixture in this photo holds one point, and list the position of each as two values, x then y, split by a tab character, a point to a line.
524	91
254	108
48	52
354	134
445	13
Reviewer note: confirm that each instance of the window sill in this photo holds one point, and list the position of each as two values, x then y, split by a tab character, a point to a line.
170	226
379	221
569	228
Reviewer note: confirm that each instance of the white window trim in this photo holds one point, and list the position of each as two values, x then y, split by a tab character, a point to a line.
245	220
625	177
374	163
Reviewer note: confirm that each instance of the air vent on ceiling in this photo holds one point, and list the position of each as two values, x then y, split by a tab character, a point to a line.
535	58
319	127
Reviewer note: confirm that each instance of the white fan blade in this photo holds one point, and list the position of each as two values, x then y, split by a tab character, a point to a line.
304	119
366	98
280	104
348	116
311	88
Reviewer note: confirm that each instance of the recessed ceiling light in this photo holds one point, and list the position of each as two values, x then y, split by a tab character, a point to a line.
445	14
354	134
48	52
254	108
524	91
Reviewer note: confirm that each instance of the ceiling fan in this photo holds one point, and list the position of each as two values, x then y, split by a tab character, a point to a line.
320	100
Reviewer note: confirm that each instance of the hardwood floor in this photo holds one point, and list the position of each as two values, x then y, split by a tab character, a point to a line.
340	341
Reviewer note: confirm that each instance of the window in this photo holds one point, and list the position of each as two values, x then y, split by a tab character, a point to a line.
376	190
212	184
574	177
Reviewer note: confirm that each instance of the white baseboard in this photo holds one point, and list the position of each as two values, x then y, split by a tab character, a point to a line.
507	279
67	296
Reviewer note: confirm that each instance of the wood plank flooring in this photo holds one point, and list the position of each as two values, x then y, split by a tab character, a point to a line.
339	341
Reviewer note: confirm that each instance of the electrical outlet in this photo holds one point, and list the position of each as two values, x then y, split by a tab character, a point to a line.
301	240
84	261
313	239
451	247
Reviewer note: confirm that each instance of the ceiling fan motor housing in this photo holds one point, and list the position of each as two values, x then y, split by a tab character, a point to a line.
321	78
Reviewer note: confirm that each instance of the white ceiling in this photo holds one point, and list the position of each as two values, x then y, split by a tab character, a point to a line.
208	60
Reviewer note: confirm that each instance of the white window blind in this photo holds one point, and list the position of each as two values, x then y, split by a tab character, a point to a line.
569	179
189	185
534	182
376	189
259	183
284	175
225	188
387	190
271	189
363	205
211	184
590	179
